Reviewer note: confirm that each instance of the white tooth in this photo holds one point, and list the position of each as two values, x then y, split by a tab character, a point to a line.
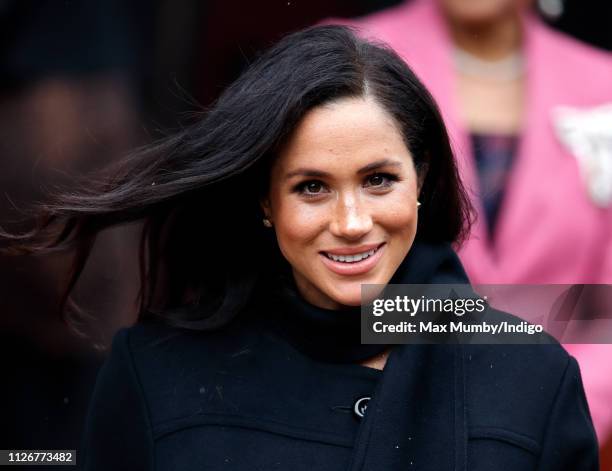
352	258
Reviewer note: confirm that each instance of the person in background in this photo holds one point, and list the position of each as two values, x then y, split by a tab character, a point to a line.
527	109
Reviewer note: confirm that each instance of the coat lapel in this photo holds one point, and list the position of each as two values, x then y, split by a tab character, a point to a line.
416	418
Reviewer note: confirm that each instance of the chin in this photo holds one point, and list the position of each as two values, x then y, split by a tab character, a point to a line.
351	296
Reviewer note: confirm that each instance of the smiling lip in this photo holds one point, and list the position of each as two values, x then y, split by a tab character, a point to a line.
353	268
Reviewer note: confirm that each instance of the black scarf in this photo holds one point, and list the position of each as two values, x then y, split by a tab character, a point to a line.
415	417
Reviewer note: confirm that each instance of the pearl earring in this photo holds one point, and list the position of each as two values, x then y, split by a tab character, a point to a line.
266	222
418	204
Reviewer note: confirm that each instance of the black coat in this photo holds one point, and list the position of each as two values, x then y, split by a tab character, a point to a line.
245	399
277	388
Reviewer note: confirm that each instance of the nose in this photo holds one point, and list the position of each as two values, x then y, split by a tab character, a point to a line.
351	219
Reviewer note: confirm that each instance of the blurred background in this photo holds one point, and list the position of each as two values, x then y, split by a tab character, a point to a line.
84	81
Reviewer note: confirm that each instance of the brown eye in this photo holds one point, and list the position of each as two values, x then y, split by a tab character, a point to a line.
380	180
376	180
313	187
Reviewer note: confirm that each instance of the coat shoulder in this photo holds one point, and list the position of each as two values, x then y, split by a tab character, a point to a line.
152	340
572	62
564	47
178	368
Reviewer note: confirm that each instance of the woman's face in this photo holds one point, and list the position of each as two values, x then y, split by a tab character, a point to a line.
343	201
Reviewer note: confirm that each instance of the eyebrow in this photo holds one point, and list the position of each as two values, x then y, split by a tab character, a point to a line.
308	172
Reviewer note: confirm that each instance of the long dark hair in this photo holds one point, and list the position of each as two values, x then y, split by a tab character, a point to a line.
199	190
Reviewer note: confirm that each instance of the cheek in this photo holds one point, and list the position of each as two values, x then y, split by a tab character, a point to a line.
297	225
399	215
399	218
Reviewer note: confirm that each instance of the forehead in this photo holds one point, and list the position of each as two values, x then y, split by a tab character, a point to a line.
345	133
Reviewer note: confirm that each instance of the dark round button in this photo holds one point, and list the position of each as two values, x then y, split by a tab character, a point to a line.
360	406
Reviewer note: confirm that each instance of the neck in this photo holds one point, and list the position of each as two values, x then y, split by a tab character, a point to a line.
491	41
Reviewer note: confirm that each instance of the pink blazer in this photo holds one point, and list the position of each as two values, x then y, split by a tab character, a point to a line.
549	229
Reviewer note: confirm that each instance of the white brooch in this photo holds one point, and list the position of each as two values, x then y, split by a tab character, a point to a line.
587	133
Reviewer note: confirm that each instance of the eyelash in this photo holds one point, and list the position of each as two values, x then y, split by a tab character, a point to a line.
390	179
